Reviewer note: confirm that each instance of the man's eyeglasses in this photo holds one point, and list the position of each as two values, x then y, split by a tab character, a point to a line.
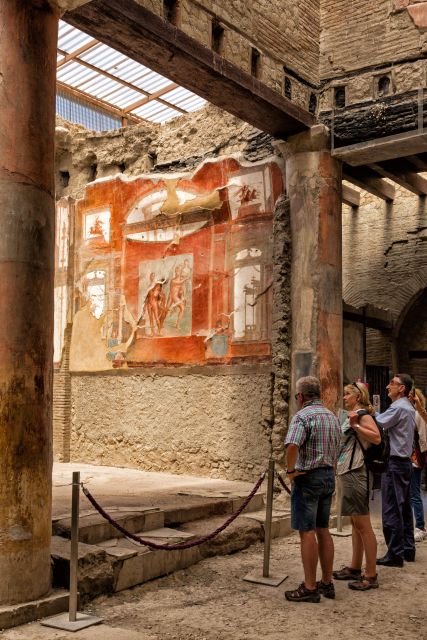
395	382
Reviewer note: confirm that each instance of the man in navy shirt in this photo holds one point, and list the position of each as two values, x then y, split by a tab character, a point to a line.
398	524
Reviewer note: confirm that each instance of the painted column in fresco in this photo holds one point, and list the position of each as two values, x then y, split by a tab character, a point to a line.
313	180
27	121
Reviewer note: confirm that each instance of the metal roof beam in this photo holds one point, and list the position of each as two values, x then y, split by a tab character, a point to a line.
370	181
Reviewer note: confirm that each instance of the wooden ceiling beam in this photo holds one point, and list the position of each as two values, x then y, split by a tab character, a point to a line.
350	196
419	162
138	33
97	102
370	181
71	56
155	96
402	172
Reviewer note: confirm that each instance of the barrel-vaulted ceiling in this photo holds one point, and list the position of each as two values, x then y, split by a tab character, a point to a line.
94	72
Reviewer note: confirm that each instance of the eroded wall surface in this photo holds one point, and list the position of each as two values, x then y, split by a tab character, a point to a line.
176	360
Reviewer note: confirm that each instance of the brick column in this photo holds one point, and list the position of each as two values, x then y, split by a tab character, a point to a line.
313	179
27	121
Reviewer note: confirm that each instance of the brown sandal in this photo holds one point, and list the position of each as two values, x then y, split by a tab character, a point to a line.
364	583
347	573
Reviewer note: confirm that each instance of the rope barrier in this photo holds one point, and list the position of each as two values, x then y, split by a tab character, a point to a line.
284	485
179	545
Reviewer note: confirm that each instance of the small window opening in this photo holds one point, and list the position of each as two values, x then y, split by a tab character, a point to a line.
171	11
122	167
288	88
217	37
339	97
384	86
93	172
255	62
151	160
64	178
312	103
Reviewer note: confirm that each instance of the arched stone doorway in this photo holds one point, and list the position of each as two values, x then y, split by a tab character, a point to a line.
412	340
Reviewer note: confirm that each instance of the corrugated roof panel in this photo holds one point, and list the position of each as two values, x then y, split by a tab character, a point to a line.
73	41
155	84
115	64
97	83
165	116
74	74
125	97
150	107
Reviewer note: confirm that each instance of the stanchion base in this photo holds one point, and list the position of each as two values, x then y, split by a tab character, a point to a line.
63	622
270	581
341	534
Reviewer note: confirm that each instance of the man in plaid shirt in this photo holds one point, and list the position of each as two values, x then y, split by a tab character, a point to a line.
312	446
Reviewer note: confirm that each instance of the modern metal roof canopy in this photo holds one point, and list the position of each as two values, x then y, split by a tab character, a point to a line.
106	78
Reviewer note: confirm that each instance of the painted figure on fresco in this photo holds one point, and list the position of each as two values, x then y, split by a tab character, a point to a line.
177	293
217	340
165	296
97	229
155	305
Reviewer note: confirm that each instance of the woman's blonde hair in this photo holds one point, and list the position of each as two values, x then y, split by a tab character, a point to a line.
421	397
361	389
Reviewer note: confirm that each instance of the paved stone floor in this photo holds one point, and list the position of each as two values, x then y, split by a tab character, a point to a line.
116	486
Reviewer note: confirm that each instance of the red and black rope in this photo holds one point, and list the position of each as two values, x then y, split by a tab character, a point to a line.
179	545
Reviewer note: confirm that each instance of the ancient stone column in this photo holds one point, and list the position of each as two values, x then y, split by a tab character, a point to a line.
313	179
27	121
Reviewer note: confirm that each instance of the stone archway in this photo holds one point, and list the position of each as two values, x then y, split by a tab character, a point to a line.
412	339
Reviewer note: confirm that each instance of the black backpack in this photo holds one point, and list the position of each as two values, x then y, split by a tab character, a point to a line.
377	455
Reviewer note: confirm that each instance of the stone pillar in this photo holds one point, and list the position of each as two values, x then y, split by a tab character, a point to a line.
27	124
313	179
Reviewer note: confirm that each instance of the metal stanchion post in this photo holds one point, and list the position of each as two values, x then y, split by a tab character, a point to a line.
266	578
73	621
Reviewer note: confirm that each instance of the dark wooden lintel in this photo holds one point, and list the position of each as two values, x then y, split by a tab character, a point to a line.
403	173
350	196
418	161
146	38
370	181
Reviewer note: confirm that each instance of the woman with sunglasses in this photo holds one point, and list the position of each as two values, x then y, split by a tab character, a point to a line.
355	481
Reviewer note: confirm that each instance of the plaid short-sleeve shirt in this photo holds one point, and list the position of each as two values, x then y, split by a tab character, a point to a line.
317	433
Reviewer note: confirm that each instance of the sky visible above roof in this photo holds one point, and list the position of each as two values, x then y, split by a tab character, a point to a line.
91	71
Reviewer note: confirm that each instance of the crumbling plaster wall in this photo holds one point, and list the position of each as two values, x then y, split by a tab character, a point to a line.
219	421
180	422
82	155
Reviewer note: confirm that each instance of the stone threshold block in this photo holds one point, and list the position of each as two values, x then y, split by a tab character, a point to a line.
15	614
93	528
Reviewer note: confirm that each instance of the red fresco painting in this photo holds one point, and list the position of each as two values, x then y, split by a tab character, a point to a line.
177	270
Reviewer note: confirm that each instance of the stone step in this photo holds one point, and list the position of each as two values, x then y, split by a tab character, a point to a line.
117	564
93	528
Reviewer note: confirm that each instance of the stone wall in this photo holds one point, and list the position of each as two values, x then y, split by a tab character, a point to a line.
182	144
214	421
384	257
377	42
177	422
285	33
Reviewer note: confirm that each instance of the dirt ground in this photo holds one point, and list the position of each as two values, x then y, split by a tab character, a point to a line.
210	601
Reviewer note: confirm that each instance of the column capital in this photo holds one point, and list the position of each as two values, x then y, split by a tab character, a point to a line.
317	138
